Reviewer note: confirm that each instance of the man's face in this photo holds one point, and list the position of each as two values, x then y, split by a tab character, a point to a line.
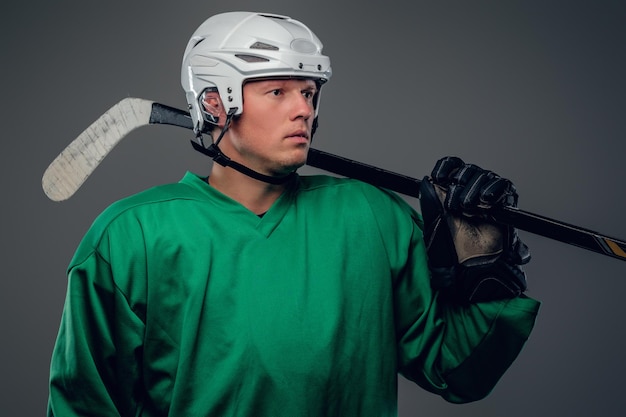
273	133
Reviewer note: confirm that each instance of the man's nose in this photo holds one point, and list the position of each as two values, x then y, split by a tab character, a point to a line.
303	107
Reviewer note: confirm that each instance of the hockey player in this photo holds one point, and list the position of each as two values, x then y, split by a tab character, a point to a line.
256	291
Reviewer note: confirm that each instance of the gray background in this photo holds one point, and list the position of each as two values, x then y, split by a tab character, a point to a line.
534	90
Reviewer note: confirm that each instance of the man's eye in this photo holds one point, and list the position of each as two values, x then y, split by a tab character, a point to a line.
276	92
308	94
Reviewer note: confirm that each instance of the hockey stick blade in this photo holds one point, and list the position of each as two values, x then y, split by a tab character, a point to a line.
74	165
81	157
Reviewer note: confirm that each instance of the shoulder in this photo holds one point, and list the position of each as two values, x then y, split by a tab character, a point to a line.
154	197
348	187
129	215
330	184
353	192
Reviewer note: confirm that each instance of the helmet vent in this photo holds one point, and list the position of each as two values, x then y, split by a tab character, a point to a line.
263	45
251	58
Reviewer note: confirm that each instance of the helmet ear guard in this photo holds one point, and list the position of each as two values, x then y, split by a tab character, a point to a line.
210	112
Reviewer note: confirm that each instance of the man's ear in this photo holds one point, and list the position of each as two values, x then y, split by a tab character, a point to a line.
213	108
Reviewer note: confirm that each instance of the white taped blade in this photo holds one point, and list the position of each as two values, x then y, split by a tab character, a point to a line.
80	158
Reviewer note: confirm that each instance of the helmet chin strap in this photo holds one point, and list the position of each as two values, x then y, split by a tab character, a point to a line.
215	153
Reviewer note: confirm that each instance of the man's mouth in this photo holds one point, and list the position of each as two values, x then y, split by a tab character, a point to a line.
299	134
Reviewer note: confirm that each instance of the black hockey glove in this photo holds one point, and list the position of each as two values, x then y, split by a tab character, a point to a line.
471	257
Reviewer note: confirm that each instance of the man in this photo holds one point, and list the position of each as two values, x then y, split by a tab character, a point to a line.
258	292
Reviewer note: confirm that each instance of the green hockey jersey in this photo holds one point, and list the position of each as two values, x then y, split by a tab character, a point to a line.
181	302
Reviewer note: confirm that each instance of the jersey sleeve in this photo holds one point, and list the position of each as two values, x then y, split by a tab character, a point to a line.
456	351
95	362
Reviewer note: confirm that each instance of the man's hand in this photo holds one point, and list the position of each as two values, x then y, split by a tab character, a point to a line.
471	257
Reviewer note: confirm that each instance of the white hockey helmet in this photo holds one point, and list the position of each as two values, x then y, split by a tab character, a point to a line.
230	48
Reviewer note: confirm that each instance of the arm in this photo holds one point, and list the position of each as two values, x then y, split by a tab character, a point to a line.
95	362
460	352
456	350
479	317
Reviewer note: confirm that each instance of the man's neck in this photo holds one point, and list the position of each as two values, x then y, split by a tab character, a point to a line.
257	196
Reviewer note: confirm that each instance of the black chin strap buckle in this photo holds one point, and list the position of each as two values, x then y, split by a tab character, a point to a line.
216	154
213	152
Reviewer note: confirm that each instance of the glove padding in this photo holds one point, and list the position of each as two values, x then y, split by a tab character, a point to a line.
471	257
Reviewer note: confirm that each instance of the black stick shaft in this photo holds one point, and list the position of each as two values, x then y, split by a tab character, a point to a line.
523	220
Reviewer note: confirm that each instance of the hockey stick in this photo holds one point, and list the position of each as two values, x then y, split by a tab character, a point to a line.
81	157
